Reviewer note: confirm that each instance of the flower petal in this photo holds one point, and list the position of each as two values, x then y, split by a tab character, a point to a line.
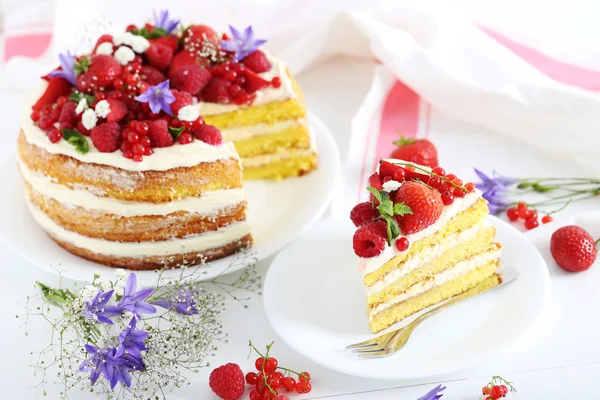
130	285
142	294
145	308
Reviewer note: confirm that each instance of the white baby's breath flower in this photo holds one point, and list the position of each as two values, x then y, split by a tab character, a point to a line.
123	38
102	109
81	106
188	113
88	292
124	55
105	48
120	273
97	274
139	44
119	290
390	186
105	285
89	118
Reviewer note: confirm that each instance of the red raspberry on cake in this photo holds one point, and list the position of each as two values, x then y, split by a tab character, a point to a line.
227	381
172	41
191	79
159	55
257	62
152	75
182	99
426	205
208	134
159	134
363	213
370	240
106	137
118	110
67	113
217	91
419	151
573	248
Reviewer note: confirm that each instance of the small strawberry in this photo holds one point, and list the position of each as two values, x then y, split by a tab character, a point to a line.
257	62
370	240
363	213
172	41
102	39
106	137
254	82
159	55
159	134
419	151
426	205
67	114
387	168
191	79
118	110
573	248
209	134
152	75
103	70
57	87
227	382
182	99
217	91
194	37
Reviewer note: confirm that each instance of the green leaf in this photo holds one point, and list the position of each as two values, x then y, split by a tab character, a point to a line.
176	132
401	209
393	230
82	65
77	96
157	33
77	140
375	193
403	141
386	208
385	196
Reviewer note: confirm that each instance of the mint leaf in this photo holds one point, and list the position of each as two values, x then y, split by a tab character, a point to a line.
401	209
157	33
77	140
386	207
176	132
82	65
375	193
380	195
393	230
77	96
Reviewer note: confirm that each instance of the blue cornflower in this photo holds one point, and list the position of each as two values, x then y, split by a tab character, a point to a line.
433	394
112	363
494	190
98	310
164	21
242	44
133	301
133	341
158	97
67	63
183	302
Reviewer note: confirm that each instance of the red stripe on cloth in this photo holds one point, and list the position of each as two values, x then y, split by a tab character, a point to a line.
557	70
31	45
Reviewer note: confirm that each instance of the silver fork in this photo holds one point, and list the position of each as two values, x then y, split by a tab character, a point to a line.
392	342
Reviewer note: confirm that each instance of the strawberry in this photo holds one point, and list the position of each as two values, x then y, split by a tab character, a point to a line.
191	79
118	110
182	99
159	134
159	55
254	82
172	41
217	91
387	168
194	37
67	114
426	205
152	75
419	151
103	71
185	58
102	39
227	382
209	134
85	83
56	87
257	62
573	248
106	137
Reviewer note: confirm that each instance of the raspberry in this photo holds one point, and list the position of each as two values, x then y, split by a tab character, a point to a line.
159	55
179	60
227	381
191	78
172	41
254	82
159	134
208	134
118	110
573	248
426	205
104	69
370	239
106	137
182	99
363	213
217	91
67	114
257	62
152	75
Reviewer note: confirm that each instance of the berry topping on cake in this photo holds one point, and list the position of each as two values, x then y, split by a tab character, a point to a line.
57	87
209	134
370	239
419	151
102	71
151	75
426	205
196	37
573	248
159	55
258	62
118	110
227	381
217	91
106	137
182	99
191	79
67	114
363	213
159	134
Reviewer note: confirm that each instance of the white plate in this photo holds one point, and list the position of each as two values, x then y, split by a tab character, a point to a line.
314	299
277	211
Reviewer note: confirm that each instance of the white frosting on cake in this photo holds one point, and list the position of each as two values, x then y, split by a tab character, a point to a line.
247	132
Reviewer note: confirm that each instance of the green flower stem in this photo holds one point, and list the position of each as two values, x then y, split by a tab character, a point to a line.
443	178
294	372
265	357
597	241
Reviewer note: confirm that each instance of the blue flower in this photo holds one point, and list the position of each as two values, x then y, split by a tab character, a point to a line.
133	301
133	341
67	63
494	190
112	363
433	394
163	21
183	302
242	44
159	98
97	309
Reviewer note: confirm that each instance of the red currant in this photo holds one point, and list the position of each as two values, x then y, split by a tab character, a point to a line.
130	28
524	213
138	149
434	182
54	135
531	223
279	375
45	122
304	376
230	75
118	83
128	154
235	90
274	382
137	158
276	82
546	219
496	392
457	182
303	387
255	395
451	177
270	365
145	141
504	390
259	363
133	137
61	101
251	378
458	192
399	175
100	96
521	205
447	198
288	383
185	138
35	116
512	214
402	244
470	187
485	390
438	171
142	128
533	214
148	151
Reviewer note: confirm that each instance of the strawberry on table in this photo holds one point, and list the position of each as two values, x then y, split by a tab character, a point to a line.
573	248
419	151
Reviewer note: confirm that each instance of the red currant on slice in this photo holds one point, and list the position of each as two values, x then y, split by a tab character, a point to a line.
402	244
470	187
128	154
185	138
148	151
458	192
251	378
485	390
504	390
145	141
439	171
400	175
276	82
531	223
451	177
289	383
457	182
447	198
512	214
304	376
303	387
137	158
142	128
259	363
270	365
546	219
255	395
496	392
133	137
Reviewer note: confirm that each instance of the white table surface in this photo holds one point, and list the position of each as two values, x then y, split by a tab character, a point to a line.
558	359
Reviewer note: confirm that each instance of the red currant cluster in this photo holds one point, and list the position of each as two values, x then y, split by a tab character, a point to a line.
48	116
497	388
528	214
136	142
240	82
267	380
130	83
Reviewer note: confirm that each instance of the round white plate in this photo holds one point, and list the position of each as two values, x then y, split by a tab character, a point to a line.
277	211
314	299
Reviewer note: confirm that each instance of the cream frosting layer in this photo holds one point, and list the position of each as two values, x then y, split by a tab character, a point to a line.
163	159
426	256
268	95
449	274
200	242
248	132
211	202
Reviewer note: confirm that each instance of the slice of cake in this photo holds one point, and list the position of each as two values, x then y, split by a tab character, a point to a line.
251	97
422	238
119	166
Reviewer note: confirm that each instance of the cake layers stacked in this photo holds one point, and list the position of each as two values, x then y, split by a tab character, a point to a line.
108	209
271	134
454	254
